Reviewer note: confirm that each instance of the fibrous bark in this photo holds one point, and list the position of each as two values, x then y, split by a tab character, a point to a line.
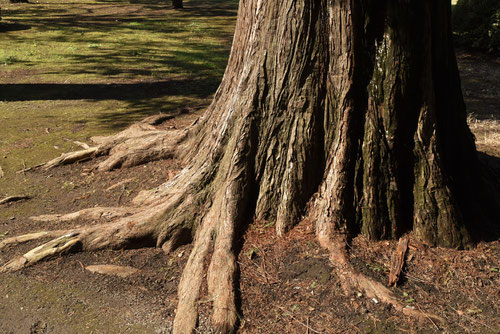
347	111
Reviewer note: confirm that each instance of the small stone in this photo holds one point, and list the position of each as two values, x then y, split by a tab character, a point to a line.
112	270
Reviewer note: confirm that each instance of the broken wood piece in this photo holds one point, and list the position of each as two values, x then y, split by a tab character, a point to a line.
113	270
1	173
398	261
10	199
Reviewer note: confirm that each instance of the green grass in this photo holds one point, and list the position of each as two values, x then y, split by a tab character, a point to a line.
86	41
71	70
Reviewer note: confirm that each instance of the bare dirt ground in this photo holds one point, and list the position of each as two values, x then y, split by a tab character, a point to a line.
286	284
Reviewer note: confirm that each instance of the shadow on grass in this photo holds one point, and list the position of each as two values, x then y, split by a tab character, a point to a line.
143	98
113	41
199	88
191	46
4	27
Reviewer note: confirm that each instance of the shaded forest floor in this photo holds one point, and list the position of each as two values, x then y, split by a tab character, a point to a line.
71	70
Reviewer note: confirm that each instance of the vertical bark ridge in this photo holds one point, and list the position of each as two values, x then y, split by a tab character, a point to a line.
285	106
186	316
391	174
232	202
438	216
392	116
334	203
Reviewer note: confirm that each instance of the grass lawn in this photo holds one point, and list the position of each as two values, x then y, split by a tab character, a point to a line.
73	69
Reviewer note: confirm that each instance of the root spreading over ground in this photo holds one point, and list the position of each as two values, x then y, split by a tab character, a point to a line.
177	213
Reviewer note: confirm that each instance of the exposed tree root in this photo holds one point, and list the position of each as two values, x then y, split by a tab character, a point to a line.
203	204
120	234
352	280
140	143
11	199
30	237
71	157
92	213
51	248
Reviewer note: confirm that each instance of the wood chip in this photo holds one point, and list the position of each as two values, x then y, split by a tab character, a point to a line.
11	199
1	173
398	261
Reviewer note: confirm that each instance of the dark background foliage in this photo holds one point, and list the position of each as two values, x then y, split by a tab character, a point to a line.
477	25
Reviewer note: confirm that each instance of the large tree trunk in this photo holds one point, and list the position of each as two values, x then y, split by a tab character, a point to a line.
348	111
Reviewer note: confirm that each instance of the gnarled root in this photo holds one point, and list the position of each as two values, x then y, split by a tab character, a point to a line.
113	236
352	280
71	157
167	217
140	143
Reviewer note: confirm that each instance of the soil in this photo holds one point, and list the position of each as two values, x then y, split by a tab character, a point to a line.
286	285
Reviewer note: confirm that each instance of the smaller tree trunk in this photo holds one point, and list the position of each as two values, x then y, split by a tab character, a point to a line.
177	4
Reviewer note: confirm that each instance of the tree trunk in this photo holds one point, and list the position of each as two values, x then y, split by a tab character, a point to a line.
348	111
358	102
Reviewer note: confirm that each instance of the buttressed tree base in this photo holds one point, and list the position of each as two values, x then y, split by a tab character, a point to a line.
347	112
